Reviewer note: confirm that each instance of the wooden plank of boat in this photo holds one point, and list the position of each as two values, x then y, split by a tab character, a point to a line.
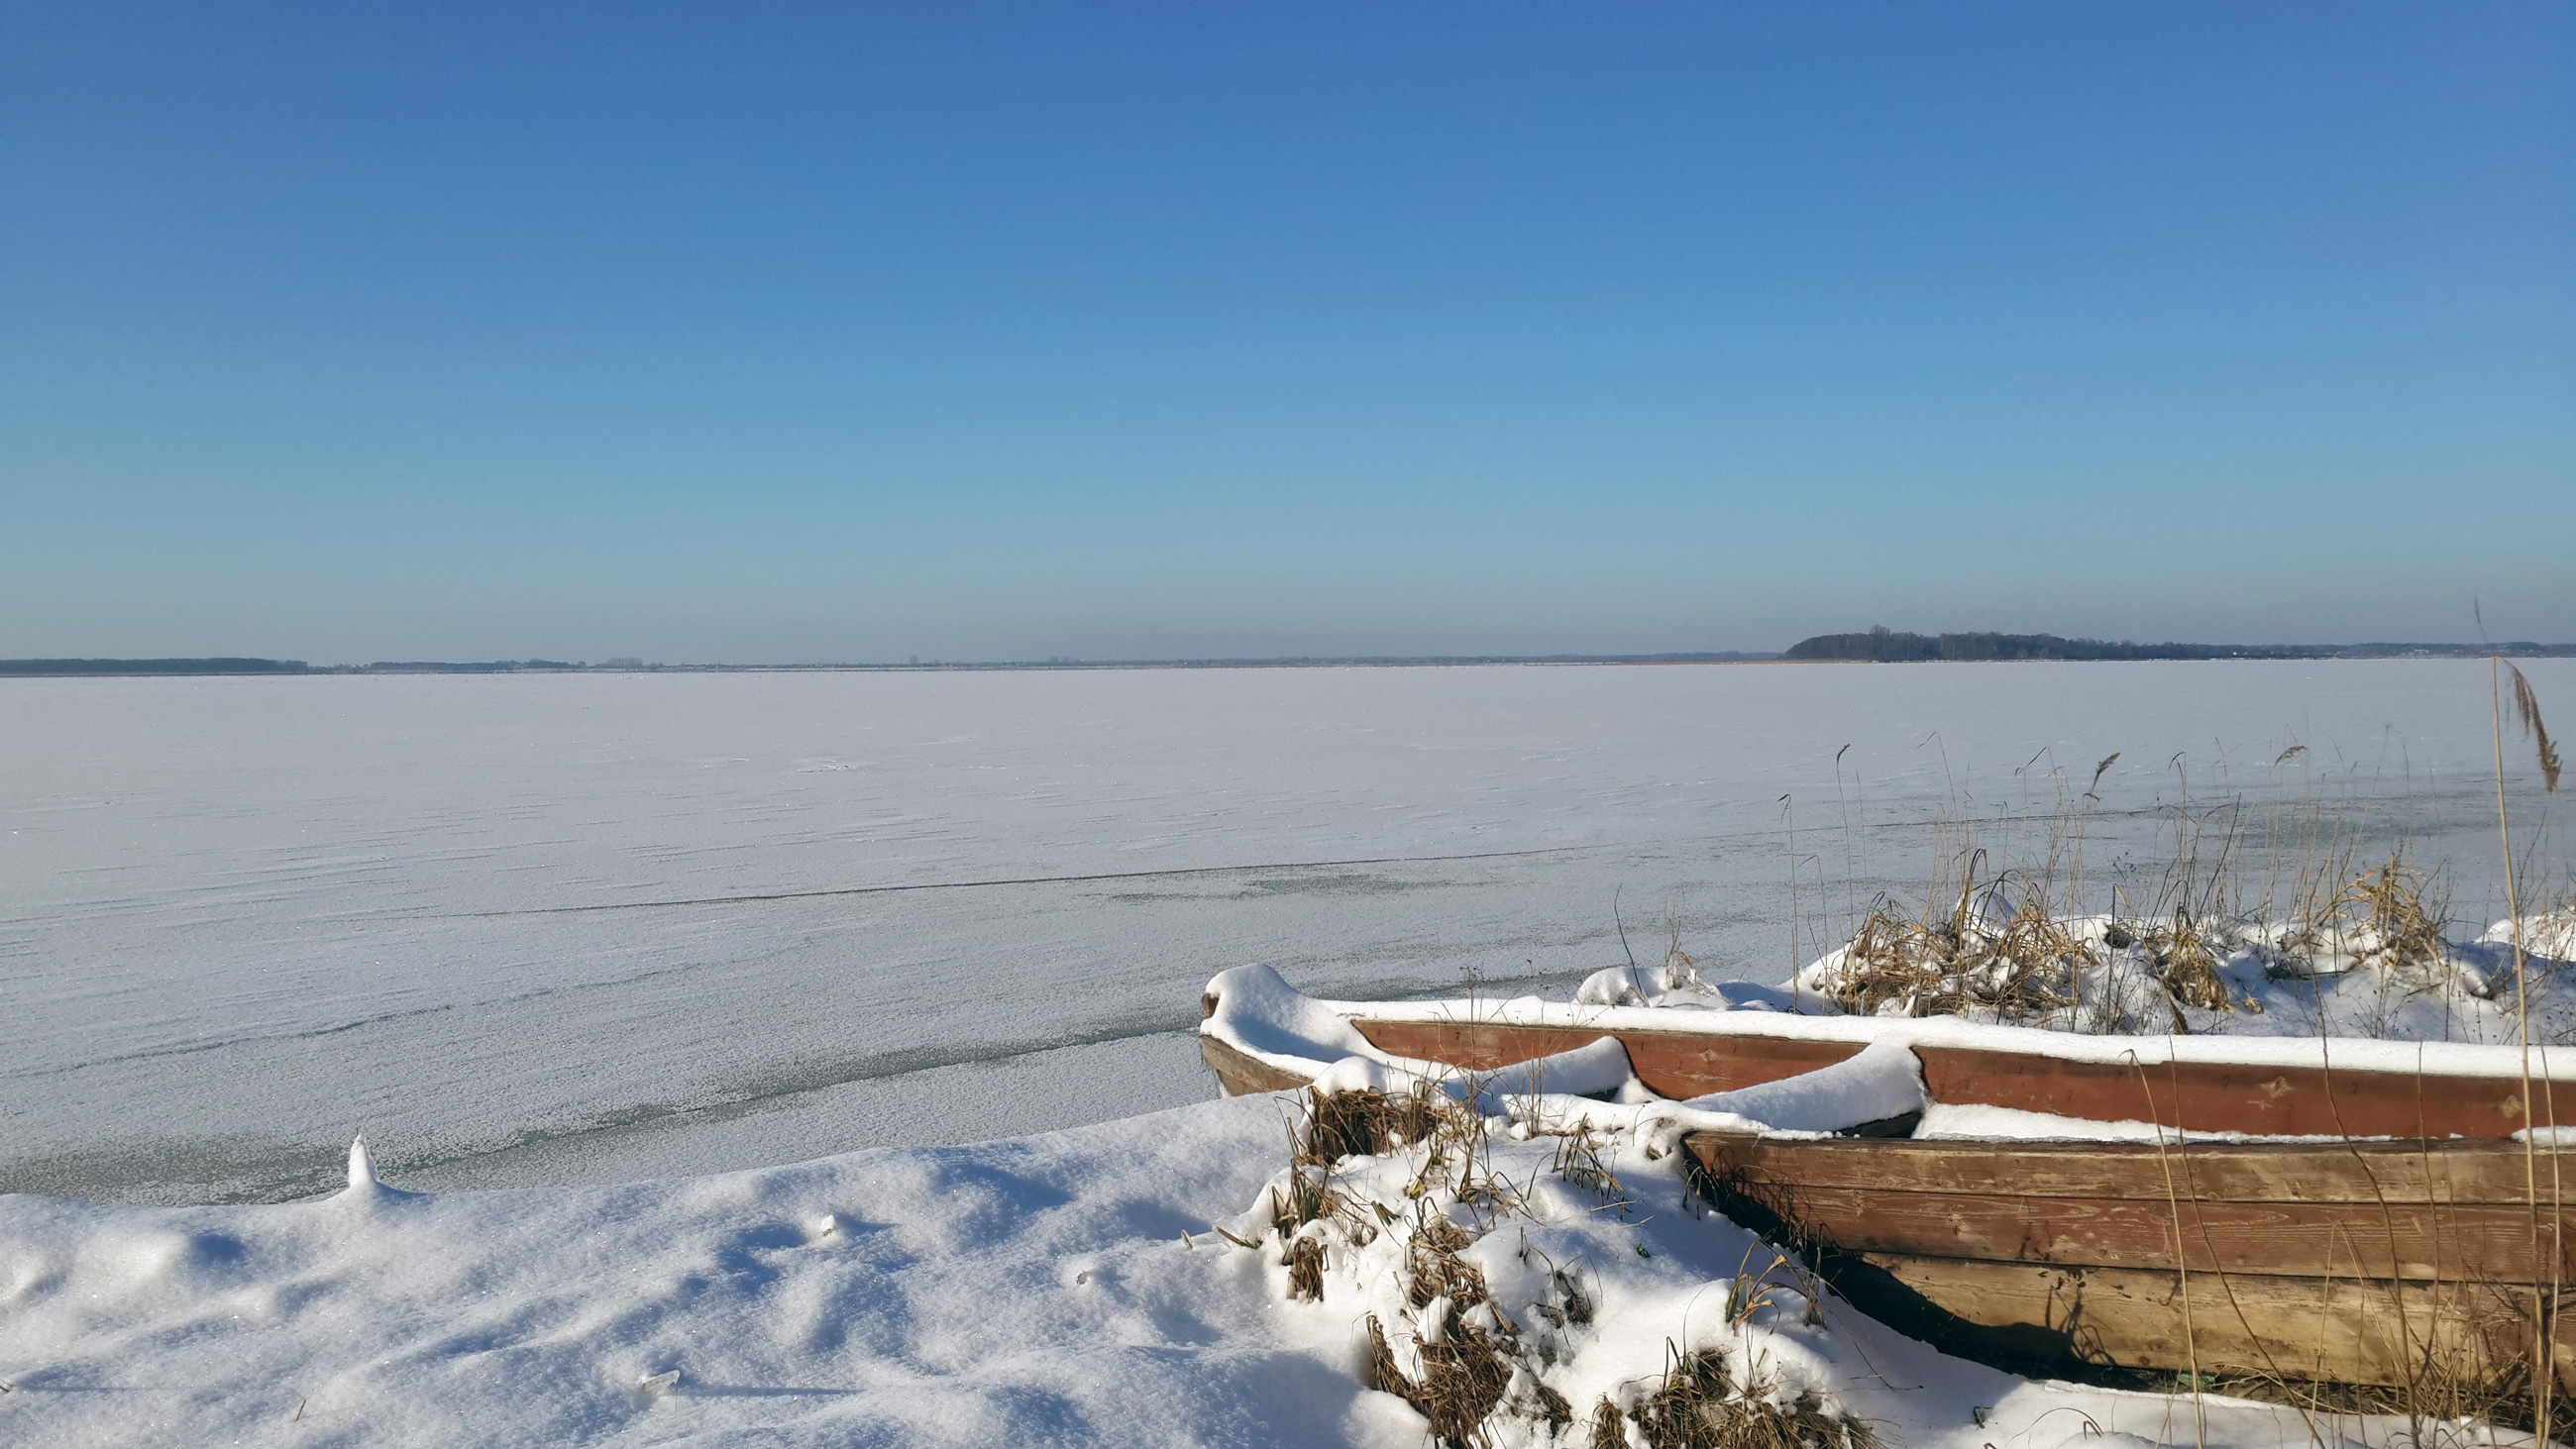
1678	1064
2359	1173
2235	1097
1947	1237
2423	1241
2296	1330
1242	1074
2294	1209
2197	1096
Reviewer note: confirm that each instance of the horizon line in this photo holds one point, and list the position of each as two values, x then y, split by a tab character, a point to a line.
244	665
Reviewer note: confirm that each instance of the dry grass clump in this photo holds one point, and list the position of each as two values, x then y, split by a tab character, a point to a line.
2128	972
1571	1305
1330	1123
2026	966
1684	1411
1434	1269
2183	962
1466	1358
1463	1377
1466	1351
1555	1410
2492	1374
1699	1406
1361	1124
2033	963
2443	1410
1300	1201
1578	1162
1609	1426
2379	919
1306	1270
1892	961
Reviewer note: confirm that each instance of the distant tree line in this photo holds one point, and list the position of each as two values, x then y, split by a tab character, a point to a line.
154	666
1897	647
1887	646
441	666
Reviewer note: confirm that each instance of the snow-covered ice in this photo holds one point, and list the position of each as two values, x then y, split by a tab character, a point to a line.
535	929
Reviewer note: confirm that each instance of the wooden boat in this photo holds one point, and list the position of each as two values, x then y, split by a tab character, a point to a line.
2368	1214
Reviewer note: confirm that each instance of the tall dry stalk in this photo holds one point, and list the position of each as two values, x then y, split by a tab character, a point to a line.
1789	813
1851	883
2526	710
2527	714
2182	1269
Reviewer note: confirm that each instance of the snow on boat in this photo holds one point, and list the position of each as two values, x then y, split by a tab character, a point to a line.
2295	1209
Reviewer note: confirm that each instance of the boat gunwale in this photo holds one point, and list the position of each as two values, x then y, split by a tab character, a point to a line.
2198	1148
2433	1059
2331	1090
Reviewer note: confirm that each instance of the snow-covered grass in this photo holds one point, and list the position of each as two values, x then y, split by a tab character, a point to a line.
2107	975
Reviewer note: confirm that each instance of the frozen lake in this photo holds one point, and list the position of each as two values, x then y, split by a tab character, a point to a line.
570	928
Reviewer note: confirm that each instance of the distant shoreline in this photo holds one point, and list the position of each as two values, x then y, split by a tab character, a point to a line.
296	668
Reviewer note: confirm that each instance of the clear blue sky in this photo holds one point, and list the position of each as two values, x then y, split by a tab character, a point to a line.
770	332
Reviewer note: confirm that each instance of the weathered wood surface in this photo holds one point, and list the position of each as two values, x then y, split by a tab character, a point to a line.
2196	1096
2360	1173
2361	1257
2422	1241
2224	1097
1677	1064
2295	1329
1242	1075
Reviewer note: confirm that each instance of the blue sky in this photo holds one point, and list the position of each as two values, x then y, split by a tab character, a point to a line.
776	333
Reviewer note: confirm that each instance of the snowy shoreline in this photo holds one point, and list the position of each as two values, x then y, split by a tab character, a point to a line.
1061	1289
1140	1281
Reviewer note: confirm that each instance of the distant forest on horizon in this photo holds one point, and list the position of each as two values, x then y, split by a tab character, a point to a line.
1884	646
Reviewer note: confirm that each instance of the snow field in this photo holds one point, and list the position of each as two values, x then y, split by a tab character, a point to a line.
1028	1291
1032	1291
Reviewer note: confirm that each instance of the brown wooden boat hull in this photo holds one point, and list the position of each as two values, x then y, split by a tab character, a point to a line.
2346	1260
1241	1075
2291	1330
